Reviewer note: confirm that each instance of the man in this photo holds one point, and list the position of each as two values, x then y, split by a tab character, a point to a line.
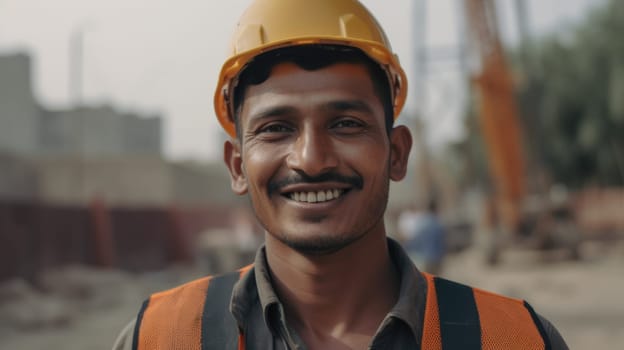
309	98
426	245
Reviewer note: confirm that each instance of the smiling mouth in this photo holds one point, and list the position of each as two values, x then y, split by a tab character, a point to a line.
315	196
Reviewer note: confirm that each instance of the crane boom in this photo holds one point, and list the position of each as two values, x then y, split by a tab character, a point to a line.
498	117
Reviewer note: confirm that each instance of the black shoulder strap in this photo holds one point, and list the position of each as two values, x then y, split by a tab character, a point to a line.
539	325
137	326
459	319
219	329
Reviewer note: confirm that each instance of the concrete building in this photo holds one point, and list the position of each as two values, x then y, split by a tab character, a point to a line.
97	132
19	112
142	135
75	155
28	129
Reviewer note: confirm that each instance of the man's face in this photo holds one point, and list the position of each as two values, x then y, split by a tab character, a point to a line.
315	157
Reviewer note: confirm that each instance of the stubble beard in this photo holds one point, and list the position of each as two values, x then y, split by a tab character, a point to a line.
318	246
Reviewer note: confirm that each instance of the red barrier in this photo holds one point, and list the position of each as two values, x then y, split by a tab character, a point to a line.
34	237
102	234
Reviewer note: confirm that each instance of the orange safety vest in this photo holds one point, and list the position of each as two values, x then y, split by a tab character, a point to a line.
456	317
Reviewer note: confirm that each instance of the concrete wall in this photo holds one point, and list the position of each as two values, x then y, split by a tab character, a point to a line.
194	184
131	181
19	113
122	181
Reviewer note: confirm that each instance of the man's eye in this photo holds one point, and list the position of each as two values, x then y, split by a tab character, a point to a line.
347	123
274	128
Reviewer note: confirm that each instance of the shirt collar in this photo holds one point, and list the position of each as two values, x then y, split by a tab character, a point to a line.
410	307
256	287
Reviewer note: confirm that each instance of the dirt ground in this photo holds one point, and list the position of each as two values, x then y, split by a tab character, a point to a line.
80	308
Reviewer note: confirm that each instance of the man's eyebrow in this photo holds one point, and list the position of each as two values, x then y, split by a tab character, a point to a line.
349	105
275	111
334	106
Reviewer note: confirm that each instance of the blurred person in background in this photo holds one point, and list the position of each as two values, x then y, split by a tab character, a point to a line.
407	221
309	98
426	243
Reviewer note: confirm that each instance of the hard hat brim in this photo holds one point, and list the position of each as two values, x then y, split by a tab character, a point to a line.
234	65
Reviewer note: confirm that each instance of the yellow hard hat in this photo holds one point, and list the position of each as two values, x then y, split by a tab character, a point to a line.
272	24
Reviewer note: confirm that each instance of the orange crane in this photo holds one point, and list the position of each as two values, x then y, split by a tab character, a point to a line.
502	134
498	115
499	118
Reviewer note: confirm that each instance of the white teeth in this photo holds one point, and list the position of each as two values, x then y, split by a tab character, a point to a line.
320	196
314	197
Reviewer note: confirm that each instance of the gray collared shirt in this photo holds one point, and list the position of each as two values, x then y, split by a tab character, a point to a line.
260	314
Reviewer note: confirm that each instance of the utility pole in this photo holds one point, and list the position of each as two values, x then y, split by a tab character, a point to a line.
423	179
419	31
76	65
75	85
522	14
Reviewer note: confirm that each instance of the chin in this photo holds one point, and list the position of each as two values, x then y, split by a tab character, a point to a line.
317	244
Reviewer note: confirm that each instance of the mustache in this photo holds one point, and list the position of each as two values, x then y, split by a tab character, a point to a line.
300	178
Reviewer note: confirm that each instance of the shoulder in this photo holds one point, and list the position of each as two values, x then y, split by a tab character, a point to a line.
490	305
124	339
162	304
499	316
553	335
187	297
188	290
180	309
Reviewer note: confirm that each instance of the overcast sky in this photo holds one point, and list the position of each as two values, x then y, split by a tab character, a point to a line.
163	56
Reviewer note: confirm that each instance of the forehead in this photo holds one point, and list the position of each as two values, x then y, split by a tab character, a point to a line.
292	86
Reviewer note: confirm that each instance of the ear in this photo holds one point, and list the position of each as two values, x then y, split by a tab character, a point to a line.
400	147
233	159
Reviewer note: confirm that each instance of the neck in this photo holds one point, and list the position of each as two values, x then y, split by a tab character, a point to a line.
329	296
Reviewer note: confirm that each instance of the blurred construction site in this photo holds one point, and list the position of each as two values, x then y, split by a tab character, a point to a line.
94	216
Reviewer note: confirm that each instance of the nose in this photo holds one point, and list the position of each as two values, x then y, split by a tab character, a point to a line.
313	152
